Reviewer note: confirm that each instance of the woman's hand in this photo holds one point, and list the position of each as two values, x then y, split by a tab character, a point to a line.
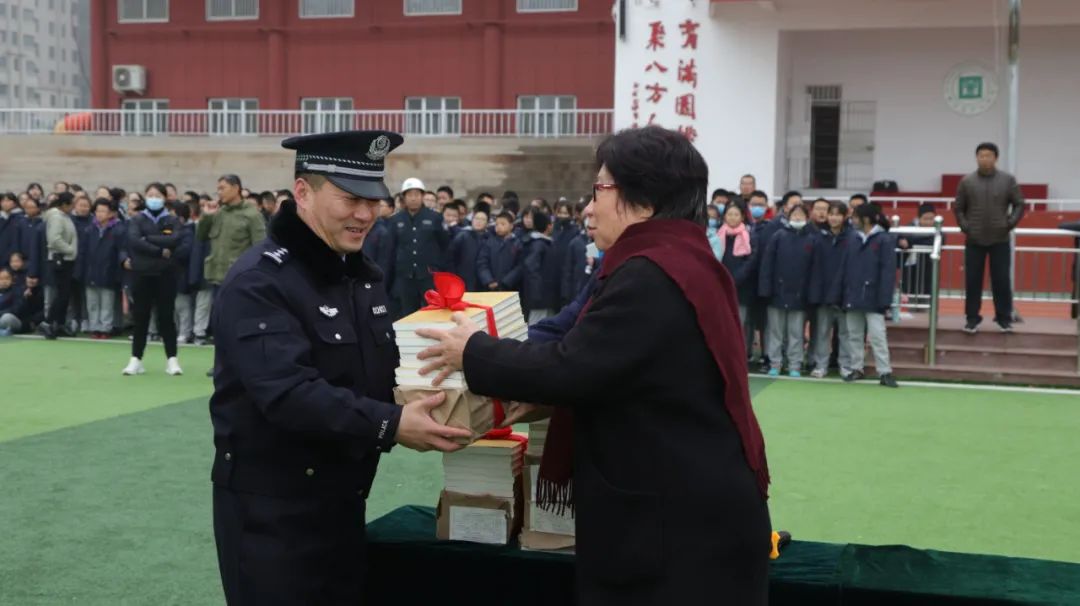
520	412
448	354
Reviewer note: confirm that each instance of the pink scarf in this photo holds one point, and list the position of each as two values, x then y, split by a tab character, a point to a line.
742	239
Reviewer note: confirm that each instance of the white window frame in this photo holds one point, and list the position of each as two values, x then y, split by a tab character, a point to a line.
120	13
352	12
224	121
546	122
234	17
322	119
136	119
405	10
433	121
545	10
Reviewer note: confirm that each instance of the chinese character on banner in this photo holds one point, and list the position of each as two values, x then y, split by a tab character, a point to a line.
652	118
689	30
656	65
657	92
688	72
684	106
635	105
689	132
656	36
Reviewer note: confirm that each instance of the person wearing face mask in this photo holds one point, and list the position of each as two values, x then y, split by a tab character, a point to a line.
864	292
562	235
785	280
153	236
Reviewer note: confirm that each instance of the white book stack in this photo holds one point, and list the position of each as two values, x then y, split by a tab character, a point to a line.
537	436
484	468
509	322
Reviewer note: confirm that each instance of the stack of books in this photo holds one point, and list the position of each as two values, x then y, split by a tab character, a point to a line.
542	530
509	322
482	499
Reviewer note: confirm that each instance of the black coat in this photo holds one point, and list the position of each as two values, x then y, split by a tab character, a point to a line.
377	247
464	252
32	246
784	275
419	243
147	239
99	261
542	275
182	258
575	272
562	236
10	237
743	269
667	509
499	261
301	411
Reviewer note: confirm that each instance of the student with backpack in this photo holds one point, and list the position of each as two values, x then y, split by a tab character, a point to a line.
864	290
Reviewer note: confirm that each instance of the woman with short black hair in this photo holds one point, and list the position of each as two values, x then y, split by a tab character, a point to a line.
153	236
653	442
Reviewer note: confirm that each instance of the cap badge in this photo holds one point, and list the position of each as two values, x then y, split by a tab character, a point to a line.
379	148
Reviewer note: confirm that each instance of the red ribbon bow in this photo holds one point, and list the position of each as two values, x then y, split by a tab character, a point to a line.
448	292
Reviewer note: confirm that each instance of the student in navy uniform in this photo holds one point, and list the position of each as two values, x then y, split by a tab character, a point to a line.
11	304
739	254
916	276
185	295
377	244
99	256
32	241
763	230
419	242
202	289
499	263
864	291
828	258
303	390
451	216
562	235
785	280
465	250
541	272
11	222
576	271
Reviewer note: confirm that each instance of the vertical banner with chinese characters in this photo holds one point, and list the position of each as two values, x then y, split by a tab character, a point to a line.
664	65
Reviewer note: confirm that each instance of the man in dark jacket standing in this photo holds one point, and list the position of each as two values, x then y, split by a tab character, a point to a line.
420	241
989	206
303	398
498	265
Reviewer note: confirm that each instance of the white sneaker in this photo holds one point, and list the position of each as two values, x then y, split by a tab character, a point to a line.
134	367
182	341
172	367
819	373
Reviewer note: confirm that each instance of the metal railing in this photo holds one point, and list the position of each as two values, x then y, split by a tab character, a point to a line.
898	202
929	272
538	123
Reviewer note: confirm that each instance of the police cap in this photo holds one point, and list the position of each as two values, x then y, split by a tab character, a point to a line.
353	160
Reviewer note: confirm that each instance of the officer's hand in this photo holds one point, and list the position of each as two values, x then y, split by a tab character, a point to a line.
520	412
448	354
418	431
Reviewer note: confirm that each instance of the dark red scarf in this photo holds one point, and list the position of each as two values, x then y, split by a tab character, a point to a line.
681	249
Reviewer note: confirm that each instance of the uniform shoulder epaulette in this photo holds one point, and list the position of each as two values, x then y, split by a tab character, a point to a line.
279	255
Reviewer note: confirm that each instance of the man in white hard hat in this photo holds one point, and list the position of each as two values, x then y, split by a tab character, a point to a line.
419	245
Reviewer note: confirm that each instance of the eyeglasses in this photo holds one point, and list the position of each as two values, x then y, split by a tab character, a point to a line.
599	187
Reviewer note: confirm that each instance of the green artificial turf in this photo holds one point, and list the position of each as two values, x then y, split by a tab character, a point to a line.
105	492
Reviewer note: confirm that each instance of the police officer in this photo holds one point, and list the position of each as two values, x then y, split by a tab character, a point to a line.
420	244
305	360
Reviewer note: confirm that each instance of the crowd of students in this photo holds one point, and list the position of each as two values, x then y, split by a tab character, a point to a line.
815	280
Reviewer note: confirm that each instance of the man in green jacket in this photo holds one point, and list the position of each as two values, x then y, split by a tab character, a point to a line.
232	229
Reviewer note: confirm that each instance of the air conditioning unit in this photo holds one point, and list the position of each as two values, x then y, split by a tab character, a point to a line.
129	78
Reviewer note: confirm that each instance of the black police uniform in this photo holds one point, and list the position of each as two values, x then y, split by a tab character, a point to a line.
305	360
420	244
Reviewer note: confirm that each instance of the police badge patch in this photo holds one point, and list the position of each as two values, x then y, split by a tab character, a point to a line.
379	148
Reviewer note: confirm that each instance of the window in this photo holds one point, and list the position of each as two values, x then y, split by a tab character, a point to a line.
433	115
547	115
52	28
63	79
232	9
52	52
52	100
432	7
4	89
132	11
541	6
327	114
63	54
3	60
52	76
234	116
315	9
29	41
145	116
